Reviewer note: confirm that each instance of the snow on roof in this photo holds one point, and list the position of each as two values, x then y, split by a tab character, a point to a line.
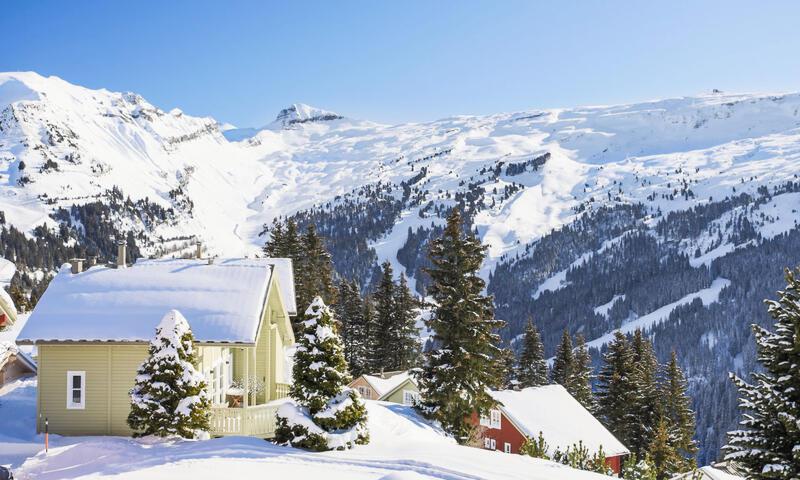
8	349
382	385
562	420
223	301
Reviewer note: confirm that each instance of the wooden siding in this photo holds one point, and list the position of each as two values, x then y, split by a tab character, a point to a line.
396	395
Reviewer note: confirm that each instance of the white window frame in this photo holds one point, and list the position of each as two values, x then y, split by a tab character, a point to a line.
494	444
365	392
71	374
507	447
410	397
487	442
495	419
485	421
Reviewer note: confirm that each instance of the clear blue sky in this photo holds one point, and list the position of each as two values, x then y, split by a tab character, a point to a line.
407	60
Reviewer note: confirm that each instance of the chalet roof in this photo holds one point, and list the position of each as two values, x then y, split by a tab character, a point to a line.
222	301
9	350
563	421
388	383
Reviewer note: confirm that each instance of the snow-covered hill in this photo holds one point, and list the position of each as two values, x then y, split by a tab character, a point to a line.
76	143
675	215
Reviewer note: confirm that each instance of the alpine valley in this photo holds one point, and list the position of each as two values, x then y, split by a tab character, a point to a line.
676	216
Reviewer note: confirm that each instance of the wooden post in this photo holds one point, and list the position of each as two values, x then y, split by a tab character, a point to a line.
246	396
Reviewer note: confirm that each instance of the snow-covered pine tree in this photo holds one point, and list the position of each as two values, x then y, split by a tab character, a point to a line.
647	405
408	346
634	469
677	410
169	396
768	444
581	382
563	363
384	339
464	363
532	369
616	390
354	331
325	413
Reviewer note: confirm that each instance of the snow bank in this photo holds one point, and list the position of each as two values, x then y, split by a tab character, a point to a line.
403	447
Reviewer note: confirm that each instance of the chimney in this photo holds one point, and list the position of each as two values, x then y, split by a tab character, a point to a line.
199	250
77	265
121	254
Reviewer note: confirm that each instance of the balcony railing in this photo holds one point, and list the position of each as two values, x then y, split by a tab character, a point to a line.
256	421
282	390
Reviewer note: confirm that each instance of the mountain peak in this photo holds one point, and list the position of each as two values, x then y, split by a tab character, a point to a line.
302	113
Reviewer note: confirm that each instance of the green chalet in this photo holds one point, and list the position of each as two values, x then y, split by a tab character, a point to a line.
92	328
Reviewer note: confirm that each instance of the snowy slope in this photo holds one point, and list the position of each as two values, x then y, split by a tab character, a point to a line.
99	139
402	446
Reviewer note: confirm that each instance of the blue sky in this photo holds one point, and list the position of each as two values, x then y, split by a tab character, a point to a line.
404	61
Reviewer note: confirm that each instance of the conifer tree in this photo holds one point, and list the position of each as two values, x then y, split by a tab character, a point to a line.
508	376
646	407
354	329
384	340
768	444
563	363
532	370
535	447
662	453
464	363
169	396
325	414
616	389
314	270
408	346
635	469
676	409
581	383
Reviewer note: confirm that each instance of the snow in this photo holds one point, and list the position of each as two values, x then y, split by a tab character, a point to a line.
403	446
604	308
563	421
392	380
707	296
639	148
711	255
222	301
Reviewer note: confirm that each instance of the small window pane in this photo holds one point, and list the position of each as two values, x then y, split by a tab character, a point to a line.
76	381
76	396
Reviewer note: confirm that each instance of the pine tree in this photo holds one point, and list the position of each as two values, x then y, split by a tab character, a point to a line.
532	364
169	396
464	363
408	346
325	414
508	376
386	330
354	330
616	389
676	409
769	442
563	363
634	469
581	383
277	239
662	453
313	269
535	447
369	334
646	407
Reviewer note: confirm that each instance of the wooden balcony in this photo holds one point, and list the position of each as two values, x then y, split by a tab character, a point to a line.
255	421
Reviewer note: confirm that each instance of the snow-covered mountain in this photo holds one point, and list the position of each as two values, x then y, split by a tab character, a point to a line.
589	203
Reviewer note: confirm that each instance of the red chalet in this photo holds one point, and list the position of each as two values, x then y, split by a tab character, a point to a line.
554	412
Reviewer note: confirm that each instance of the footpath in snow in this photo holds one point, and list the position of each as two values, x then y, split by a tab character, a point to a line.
403	447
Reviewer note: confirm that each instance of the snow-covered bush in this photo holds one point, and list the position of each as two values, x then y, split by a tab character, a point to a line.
169	397
325	414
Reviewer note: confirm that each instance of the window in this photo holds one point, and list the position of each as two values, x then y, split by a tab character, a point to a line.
495	419
365	392
76	390
410	397
507	447
487	442
494	444
485	421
